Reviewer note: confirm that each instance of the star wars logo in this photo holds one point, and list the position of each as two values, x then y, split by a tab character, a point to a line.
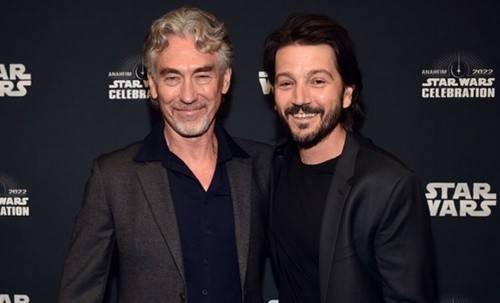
14	200
458	88
460	199
265	84
5	298
129	83
458	75
128	89
14	80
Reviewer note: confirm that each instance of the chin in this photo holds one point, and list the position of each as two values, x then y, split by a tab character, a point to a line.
192	130
303	137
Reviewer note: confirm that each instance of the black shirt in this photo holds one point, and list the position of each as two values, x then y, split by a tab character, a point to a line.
205	220
297	215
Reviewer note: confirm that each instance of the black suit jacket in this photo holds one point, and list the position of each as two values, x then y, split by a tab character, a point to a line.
128	214
375	242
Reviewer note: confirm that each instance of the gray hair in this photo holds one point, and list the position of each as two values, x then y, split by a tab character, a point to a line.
210	34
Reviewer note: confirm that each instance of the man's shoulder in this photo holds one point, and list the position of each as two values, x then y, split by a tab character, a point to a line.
254	148
120	157
381	171
373	158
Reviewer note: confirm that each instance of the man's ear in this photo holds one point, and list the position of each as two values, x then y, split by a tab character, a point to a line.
226	81
347	97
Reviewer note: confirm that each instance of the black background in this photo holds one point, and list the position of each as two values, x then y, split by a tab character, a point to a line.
49	137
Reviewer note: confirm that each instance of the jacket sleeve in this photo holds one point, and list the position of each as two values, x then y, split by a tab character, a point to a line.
403	245
88	262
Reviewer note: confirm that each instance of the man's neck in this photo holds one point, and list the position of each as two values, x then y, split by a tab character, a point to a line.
328	148
200	147
198	153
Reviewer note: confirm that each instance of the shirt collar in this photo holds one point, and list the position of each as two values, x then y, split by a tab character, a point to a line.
154	147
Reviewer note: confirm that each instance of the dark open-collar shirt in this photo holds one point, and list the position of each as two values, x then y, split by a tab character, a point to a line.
298	209
205	219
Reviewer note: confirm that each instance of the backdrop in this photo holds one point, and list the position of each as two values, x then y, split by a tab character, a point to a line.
71	89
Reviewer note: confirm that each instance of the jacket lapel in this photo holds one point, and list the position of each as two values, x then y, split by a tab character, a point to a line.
240	175
337	194
154	181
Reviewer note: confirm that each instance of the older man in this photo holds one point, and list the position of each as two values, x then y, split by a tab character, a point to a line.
182	211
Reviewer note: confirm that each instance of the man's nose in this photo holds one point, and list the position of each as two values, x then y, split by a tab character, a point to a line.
301	95
188	93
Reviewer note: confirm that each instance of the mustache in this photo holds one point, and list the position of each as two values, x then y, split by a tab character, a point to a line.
189	107
305	108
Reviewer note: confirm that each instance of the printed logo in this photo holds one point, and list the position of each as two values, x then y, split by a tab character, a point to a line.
265	84
14	200
454	298
129	82
458	75
460	199
13	80
5	298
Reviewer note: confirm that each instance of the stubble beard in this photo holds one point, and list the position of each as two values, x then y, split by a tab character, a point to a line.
191	128
306	140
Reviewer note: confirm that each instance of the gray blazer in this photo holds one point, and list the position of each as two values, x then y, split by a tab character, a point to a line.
128	215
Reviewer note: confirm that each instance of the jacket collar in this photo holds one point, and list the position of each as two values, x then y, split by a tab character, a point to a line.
334	207
154	181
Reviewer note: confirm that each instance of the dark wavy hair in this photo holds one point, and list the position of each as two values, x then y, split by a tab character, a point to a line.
315	29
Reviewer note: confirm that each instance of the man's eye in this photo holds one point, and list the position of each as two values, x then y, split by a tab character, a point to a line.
171	78
203	78
318	82
284	84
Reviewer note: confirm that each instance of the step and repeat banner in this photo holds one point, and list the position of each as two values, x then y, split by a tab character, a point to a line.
71	88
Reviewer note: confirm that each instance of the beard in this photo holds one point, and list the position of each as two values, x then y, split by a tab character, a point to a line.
328	122
190	127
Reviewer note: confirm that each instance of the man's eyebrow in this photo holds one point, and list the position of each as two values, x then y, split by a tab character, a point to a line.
318	71
168	70
309	73
282	74
201	69
205	68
